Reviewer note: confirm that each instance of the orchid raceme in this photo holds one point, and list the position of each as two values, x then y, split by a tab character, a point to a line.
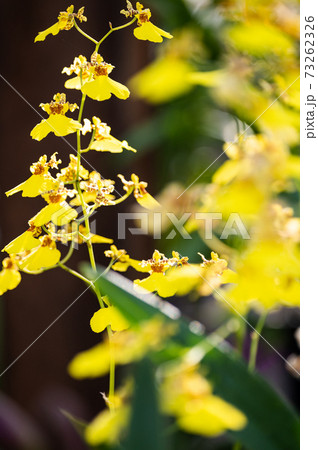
57	122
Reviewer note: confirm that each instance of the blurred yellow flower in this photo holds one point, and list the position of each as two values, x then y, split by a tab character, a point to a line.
268	270
107	426
187	395
163	80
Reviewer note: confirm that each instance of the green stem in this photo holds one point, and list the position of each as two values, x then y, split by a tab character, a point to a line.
112	368
114	29
123	198
240	336
84	34
90	143
255	341
77	274
83	204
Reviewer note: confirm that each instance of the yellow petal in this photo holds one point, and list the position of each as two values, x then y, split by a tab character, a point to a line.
225	174
147	201
40	258
103	87
59	214
157	282
185	278
56	123
267	39
211	416
108	316
9	279
107	427
164	79
111	144
33	186
96	239
24	242
149	32
73	83
89	197
118	89
54	29
90	363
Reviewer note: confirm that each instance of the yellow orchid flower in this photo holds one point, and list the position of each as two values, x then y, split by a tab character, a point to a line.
26	241
69	174
157	267
147	31
108	316
57	122
57	211
103	140
92	78
65	22
99	190
141	195
9	276
107	426
41	181
123	260
45	255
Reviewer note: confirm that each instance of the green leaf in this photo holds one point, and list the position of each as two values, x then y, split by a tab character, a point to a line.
146	424
272	424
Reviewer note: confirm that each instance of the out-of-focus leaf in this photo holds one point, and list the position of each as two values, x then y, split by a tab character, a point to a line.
272	425
145	430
